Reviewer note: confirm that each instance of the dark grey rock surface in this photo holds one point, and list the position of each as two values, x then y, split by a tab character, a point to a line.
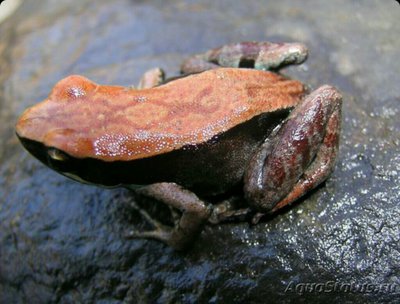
61	241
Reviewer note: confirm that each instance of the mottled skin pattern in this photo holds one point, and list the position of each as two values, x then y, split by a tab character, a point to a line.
287	157
194	136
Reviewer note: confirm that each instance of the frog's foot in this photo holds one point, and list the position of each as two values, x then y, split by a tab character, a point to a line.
194	215
153	222
258	55
151	78
299	155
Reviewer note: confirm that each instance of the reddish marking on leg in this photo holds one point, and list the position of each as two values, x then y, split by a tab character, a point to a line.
295	146
300	155
323	164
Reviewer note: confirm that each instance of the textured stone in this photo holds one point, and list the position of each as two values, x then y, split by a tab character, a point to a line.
61	241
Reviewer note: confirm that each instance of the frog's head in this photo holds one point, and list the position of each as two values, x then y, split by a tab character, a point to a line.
55	130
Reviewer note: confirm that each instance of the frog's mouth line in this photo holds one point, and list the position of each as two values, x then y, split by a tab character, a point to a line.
58	161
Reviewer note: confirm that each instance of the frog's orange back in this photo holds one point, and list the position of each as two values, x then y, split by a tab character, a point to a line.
110	123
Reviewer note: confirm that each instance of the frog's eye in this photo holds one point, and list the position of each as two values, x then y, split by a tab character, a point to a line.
57	155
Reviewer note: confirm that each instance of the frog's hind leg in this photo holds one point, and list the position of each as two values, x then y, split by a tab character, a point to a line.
194	215
299	155
258	55
321	167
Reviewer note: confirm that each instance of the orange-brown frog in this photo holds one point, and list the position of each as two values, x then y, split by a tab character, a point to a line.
226	124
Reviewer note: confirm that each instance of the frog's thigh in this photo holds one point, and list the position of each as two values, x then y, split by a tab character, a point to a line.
194	214
297	157
321	167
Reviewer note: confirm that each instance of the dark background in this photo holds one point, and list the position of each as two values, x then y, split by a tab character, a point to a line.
60	241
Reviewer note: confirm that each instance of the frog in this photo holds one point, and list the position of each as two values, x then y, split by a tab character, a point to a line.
231	122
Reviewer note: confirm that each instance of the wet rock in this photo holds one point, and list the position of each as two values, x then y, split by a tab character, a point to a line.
62	242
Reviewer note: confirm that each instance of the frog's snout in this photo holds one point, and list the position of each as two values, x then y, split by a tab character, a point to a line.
27	122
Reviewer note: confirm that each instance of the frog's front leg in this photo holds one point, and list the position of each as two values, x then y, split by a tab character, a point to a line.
258	55
299	155
151	78
195	214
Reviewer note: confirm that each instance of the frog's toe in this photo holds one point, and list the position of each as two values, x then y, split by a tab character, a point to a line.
160	232
163	235
149	219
